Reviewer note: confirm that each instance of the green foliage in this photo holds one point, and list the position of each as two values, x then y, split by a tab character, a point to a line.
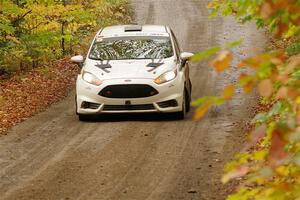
205	54
293	49
271	167
34	32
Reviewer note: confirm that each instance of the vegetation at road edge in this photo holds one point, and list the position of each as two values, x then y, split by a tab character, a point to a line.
34	36
271	168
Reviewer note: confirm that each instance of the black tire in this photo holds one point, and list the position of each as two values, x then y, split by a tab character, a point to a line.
188	102
76	105
83	118
191	86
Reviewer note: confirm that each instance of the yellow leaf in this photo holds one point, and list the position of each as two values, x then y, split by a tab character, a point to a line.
228	92
236	173
211	5
260	155
248	88
282	171
222	61
201	111
241	65
246	83
265	88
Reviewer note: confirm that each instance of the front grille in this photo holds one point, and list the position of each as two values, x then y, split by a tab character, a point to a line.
167	104
128	107
128	91
89	105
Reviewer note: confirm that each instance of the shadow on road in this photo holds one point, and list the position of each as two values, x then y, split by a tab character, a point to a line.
146	117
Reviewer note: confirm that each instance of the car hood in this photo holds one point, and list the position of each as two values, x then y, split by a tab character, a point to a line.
128	69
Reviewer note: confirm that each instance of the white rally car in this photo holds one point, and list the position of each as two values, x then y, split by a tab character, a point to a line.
133	69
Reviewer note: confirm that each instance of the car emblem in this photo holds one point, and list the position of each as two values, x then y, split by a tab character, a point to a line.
128	80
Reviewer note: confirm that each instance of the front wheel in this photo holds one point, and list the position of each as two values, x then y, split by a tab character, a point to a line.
188	102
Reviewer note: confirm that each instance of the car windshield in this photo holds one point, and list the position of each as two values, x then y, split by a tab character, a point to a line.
131	48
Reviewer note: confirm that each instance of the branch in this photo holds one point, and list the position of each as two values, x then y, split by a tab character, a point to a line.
36	26
14	22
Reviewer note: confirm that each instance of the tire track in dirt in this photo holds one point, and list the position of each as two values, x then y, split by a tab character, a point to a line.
135	157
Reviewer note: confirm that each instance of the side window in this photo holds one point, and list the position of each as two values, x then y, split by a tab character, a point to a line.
177	49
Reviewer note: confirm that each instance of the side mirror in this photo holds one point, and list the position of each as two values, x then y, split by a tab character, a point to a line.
186	56
78	60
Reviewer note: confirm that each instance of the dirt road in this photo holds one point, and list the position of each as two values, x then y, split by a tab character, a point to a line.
135	157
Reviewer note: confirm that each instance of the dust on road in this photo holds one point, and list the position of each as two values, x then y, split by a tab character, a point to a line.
136	157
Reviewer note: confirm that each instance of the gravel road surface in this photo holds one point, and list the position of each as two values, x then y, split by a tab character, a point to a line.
137	157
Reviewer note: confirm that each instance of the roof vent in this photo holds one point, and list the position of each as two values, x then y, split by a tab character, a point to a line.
133	28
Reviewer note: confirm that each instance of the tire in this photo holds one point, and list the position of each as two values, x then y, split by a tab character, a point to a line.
189	96
181	114
76	105
188	102
191	86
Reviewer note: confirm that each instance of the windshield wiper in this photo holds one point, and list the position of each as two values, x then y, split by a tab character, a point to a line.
154	65
104	66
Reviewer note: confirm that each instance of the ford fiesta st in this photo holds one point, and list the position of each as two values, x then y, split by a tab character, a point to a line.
133	69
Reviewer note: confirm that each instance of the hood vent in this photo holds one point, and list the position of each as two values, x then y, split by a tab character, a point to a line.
133	28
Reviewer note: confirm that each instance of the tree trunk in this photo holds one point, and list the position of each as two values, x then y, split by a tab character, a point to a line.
63	31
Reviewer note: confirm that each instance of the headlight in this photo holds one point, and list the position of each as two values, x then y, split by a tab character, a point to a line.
90	78
166	77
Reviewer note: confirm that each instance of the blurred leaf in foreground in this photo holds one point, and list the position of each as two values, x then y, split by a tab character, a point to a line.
202	110
205	54
235	173
228	92
222	61
265	88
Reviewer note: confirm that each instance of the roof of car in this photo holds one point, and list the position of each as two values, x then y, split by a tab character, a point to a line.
134	30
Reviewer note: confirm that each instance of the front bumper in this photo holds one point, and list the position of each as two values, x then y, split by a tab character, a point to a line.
171	91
